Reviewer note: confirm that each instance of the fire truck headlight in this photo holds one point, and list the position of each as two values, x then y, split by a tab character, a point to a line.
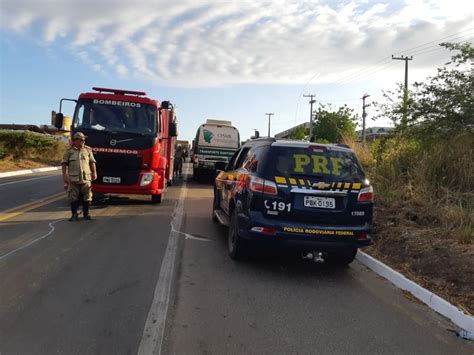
146	179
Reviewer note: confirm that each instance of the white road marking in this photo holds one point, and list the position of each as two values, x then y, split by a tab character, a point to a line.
193	237
153	333
36	178
51	231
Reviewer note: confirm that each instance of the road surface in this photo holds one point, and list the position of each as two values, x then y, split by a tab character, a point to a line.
101	287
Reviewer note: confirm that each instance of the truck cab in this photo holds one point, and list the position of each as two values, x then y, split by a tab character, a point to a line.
132	137
215	143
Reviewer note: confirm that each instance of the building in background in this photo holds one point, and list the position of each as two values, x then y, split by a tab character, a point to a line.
373	133
287	133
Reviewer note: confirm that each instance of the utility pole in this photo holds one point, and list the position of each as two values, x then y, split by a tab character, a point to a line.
364	115
405	91
311	102
269	115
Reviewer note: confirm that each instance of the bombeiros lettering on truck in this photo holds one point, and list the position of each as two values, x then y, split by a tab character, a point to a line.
133	138
215	143
117	103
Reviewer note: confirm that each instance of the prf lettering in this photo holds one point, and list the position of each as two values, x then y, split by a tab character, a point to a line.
319	163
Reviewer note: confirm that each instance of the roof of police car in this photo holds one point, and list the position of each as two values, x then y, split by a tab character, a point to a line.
291	143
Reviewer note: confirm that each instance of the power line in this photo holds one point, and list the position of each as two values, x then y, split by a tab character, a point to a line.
436	40
383	64
366	75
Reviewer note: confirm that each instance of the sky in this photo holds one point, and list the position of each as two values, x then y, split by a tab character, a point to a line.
231	60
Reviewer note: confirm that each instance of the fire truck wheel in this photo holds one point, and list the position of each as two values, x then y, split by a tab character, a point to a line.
156	198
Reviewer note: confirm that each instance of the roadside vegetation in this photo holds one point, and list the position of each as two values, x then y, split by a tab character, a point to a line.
28	150
423	175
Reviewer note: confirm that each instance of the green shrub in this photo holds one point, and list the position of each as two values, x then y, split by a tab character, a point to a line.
29	145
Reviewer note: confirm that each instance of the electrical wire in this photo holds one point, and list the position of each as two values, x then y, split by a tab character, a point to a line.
385	63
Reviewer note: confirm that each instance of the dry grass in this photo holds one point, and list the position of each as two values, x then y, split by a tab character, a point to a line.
424	213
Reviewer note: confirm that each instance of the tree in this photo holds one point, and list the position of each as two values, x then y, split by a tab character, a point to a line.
299	133
442	104
332	125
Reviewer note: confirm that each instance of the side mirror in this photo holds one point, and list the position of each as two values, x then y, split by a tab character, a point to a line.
165	105
173	129
257	134
59	120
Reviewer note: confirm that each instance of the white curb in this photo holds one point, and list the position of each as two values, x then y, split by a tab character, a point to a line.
29	171
440	305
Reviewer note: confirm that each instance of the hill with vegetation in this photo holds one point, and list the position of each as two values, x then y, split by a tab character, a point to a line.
28	150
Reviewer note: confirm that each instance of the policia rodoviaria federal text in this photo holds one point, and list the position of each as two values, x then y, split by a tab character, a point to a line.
79	170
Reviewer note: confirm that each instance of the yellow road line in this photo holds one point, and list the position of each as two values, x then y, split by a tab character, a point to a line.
15	211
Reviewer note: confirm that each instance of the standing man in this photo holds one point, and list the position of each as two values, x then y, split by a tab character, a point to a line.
178	161
79	171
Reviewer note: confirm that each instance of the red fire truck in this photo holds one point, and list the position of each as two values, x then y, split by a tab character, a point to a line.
133	138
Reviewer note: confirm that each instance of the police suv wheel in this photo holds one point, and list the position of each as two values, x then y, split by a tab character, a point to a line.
236	245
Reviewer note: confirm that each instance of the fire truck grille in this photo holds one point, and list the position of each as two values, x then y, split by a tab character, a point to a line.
113	166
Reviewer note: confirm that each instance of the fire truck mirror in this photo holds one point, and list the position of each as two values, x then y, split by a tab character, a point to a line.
165	105
173	129
58	120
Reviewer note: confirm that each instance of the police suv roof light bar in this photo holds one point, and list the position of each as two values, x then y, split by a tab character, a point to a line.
120	92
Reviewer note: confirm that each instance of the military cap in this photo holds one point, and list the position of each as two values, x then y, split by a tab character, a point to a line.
79	135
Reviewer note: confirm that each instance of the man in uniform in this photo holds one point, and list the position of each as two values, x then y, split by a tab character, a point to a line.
178	161
79	170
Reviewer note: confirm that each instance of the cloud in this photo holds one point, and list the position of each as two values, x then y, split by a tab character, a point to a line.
189	43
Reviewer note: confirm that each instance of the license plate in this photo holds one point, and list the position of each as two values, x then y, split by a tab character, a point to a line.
319	202
111	179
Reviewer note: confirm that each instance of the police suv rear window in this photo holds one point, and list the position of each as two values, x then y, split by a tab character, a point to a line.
326	165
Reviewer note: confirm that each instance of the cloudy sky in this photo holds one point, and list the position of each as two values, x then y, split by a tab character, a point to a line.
232	60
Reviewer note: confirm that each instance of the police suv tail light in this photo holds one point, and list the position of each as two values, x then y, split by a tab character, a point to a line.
147	179
366	194
257	184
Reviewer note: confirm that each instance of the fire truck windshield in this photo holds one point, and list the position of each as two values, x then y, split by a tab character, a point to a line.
116	116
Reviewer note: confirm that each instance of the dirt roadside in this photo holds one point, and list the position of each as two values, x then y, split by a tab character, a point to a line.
413	242
7	165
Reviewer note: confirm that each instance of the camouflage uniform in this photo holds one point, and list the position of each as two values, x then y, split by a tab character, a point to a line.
79	172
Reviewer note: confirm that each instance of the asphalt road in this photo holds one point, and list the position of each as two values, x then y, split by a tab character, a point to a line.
87	287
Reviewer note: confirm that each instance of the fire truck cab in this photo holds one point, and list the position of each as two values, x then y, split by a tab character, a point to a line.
133	138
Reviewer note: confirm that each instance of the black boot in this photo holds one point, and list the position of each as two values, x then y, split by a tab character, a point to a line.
85	210
74	207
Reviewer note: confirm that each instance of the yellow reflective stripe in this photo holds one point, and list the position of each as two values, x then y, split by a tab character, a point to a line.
292	181
356	186
339	185
347	185
309	183
302	183
280	180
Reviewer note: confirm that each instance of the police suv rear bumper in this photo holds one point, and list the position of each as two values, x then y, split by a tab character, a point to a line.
303	235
